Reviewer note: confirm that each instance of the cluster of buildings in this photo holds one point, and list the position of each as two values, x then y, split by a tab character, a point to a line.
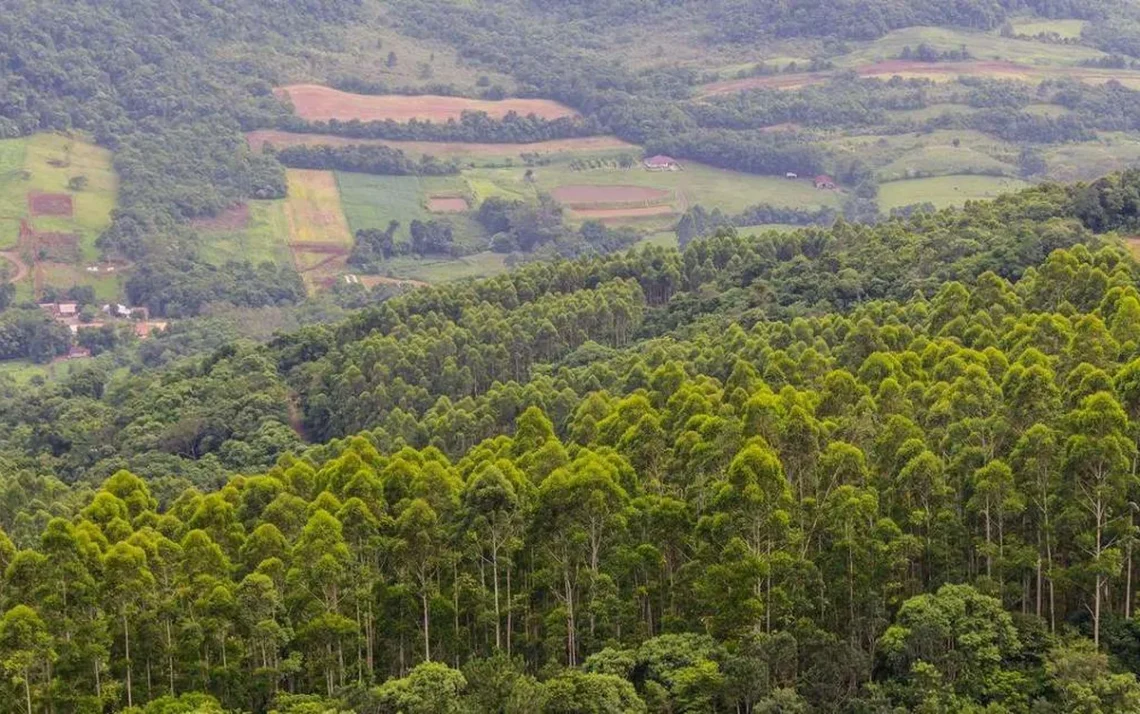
70	314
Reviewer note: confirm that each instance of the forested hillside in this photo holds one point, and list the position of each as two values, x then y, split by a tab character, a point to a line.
745	422
856	469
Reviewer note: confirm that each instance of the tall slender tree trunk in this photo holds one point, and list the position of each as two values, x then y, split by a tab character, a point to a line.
127	650
571	644
495	579
427	625
510	611
28	688
1099	585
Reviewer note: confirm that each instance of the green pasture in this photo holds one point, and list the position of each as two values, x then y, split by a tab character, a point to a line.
731	191
1088	160
45	163
941	160
943	191
442	270
265	238
1070	29
371	202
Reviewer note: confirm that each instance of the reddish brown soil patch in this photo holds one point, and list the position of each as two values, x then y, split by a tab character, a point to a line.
50	204
62	247
616	215
585	196
447	204
315	102
235	218
281	139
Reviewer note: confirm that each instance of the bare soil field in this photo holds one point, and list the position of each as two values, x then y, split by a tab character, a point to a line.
615	215
50	204
235	218
447	204
586	196
316	102
281	139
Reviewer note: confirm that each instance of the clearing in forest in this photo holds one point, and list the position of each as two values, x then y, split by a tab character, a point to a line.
256	231
944	191
56	196
316	102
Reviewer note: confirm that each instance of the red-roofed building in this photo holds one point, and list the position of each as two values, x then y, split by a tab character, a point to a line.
661	163
824	182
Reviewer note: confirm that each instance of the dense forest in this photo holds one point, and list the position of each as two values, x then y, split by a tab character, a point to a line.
873	465
849	469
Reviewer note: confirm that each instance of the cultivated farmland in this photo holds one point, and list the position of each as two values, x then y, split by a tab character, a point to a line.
315	102
50	217
319	237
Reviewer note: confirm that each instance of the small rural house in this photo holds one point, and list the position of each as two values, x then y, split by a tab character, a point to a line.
661	163
825	183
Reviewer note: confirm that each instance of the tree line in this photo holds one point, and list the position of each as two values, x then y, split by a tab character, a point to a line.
361	158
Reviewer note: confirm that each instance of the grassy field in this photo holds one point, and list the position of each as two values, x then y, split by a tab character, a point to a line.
313	209
107	287
13	191
732	191
265	237
980	45
370	202
926	150
942	160
441	270
1092	159
44	163
944	191
1070	29
22	371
